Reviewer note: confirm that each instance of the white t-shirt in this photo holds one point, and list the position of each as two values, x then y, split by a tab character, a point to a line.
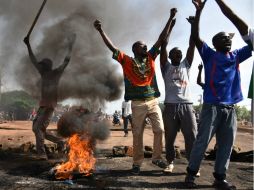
127	108
176	80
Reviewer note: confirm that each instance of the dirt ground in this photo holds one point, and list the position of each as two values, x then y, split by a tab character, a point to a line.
20	171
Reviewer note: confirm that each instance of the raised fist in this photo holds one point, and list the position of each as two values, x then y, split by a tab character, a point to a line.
97	25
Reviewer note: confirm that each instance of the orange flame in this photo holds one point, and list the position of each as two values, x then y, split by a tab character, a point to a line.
81	158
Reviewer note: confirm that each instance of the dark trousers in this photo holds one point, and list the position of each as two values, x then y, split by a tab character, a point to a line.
179	117
125	123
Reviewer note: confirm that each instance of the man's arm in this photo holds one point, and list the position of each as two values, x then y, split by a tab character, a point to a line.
164	52
200	67
191	48
31	54
106	39
122	113
72	40
195	24
166	29
237	21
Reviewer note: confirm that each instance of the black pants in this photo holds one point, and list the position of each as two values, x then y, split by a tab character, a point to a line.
125	123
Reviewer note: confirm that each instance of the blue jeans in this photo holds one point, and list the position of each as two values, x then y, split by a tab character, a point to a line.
219	120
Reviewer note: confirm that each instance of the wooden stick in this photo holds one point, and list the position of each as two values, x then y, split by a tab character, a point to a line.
36	18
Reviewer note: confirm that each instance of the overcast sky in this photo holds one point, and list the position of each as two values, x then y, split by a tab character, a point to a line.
124	21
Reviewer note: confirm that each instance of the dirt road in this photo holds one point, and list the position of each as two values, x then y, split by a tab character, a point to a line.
19	171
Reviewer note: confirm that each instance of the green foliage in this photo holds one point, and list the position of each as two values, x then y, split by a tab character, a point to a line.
198	108
18	102
242	113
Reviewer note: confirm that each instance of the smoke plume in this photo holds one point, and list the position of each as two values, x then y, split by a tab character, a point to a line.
75	122
91	76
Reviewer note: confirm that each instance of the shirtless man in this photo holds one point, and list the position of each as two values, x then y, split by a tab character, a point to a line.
49	83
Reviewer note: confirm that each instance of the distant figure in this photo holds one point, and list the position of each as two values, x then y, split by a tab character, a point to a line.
99	112
222	90
116	118
11	115
141	87
49	83
32	115
126	115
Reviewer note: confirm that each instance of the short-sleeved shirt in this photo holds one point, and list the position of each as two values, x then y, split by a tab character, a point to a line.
222	74
139	77
176	80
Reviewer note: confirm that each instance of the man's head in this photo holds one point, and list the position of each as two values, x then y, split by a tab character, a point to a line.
223	41
46	64
139	49
175	55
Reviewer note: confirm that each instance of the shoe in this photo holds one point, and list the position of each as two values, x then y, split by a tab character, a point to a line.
198	174
135	169
169	168
223	185
126	135
160	163
189	182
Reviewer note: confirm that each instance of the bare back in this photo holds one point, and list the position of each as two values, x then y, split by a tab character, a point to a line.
49	87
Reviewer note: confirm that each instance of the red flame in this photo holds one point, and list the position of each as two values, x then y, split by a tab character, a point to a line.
81	158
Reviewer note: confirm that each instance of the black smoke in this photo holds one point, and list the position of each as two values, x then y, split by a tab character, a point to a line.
92	76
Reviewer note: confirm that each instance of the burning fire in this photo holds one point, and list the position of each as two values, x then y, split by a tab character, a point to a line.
81	158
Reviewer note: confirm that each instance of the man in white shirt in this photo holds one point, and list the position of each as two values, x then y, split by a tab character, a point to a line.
178	113
126	115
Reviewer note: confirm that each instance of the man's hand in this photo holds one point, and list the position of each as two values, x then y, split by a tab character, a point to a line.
200	67
26	40
199	4
173	12
97	25
191	19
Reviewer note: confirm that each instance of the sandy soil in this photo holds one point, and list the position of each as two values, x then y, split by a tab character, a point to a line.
19	171
13	134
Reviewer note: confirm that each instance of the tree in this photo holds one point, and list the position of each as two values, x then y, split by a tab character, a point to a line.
243	113
18	103
198	108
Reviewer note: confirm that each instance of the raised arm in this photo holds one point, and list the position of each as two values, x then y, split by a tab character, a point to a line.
107	41
195	25
164	52
31	54
72	40
200	67
237	21
166	29
191	48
